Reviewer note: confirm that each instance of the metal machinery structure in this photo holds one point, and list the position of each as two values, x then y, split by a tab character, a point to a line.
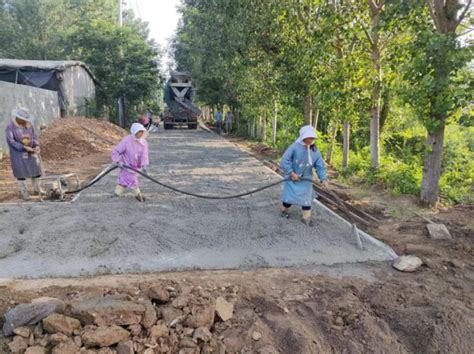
179	109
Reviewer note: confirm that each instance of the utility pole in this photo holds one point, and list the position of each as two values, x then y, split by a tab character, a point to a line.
121	113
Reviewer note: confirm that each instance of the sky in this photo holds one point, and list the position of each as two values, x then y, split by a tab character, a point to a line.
162	17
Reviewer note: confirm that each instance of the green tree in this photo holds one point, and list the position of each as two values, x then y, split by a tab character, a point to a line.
124	60
432	90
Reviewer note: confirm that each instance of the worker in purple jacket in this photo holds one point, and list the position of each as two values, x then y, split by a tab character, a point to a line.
24	151
132	151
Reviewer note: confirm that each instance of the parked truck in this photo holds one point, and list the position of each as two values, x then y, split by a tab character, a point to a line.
179	108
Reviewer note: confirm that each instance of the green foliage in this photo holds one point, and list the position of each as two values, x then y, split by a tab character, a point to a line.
122	59
247	54
289	126
123	62
401	168
458	164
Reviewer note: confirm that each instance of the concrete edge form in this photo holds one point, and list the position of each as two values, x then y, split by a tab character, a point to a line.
364	235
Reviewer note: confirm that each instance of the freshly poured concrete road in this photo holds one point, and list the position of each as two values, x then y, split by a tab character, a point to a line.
100	233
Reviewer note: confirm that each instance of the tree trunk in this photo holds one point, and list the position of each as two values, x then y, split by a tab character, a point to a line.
432	167
264	127
274	121
376	103
447	16
315	119
308	109
385	109
258	128
346	145
331	145
375	126
237	120
121	113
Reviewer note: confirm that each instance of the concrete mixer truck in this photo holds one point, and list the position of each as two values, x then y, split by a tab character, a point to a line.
179	109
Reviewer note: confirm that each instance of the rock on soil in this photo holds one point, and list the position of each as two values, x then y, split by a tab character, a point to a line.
29	314
18	345
22	332
67	347
159	293
149	318
224	309
57	323
407	263
202	333
36	350
57	338
438	231
135	330
201	316
324	314
158	331
256	335
171	315
105	336
109	310
125	348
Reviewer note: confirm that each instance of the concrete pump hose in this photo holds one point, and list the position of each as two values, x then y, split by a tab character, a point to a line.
113	167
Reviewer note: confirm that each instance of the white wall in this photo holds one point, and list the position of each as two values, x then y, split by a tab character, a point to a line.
78	86
43	104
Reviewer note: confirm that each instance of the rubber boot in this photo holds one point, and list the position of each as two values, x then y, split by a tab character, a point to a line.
37	187
307	218
138	195
119	190
285	212
24	191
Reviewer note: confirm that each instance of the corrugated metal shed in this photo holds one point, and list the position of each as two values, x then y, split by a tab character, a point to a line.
48	65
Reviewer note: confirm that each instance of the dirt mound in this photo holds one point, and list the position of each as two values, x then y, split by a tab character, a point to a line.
69	145
70	138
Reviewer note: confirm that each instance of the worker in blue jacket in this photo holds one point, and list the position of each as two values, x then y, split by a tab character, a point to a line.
297	163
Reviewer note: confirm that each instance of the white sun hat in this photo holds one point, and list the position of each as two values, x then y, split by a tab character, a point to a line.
307	132
23	114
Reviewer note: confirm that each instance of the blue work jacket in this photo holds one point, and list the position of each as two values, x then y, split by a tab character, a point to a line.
295	159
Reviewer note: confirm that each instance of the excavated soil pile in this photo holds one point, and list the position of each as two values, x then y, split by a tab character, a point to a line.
69	145
258	312
77	137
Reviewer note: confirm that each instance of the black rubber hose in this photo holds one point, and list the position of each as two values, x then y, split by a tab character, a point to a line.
202	196
95	180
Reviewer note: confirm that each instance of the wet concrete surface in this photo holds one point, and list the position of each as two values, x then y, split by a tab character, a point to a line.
100	233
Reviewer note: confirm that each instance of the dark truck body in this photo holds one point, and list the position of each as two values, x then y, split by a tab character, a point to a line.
180	109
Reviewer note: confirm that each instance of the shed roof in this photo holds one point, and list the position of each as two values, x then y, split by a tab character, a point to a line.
32	65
